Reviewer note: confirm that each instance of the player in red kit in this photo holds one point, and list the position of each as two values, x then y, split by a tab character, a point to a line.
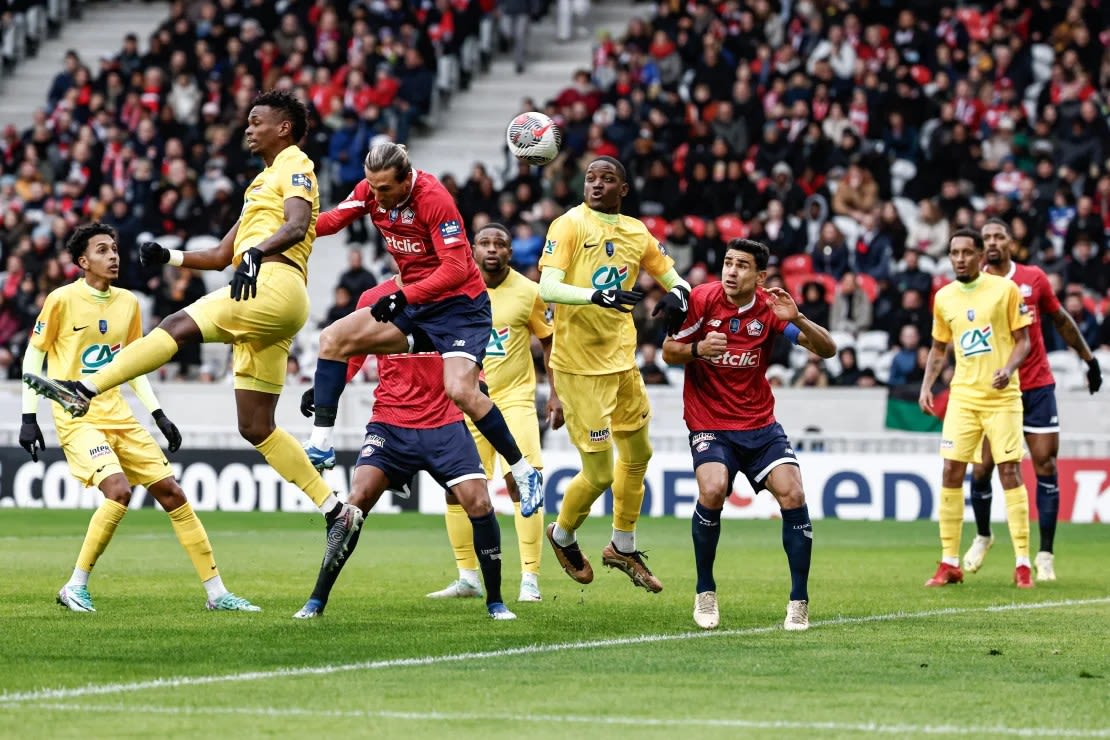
443	303
725	344
1040	421
415	426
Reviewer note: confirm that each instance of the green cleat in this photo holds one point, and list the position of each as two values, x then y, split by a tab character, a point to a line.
76	598
229	602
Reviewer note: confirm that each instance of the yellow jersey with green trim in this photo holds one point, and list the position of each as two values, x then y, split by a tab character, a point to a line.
80	334
598	251
978	319
518	314
292	175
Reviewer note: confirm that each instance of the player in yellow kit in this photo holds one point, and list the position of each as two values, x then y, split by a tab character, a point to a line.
986	320
518	315
590	262
265	307
81	328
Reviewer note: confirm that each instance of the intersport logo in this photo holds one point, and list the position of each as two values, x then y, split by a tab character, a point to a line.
743	360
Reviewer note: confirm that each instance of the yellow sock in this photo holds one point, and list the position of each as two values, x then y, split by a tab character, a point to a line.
101	528
1017	516
596	475
288	458
529	530
951	521
190	533
139	358
461	534
633	453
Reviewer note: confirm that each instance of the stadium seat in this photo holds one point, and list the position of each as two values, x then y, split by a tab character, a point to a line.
731	227
882	366
799	356
695	224
797	264
843	339
868	285
830	285
867	359
795	282
656	225
907	209
873	341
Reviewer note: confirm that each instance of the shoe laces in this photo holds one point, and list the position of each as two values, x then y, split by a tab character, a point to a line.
798	611
573	554
707	602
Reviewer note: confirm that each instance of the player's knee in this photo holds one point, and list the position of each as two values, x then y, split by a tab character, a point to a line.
713	495
254	431
169	495
330	341
793	498
599	480
117	490
1010	475
180	326
1045	466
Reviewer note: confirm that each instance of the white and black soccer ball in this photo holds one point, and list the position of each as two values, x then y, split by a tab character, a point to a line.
533	138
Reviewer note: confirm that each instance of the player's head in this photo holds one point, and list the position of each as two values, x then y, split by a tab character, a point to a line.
277	119
965	250
744	267
996	240
93	249
493	248
389	172
606	185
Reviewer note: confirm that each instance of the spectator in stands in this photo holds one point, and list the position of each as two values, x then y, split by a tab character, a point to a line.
831	255
356	279
343	305
814	303
857	194
811	375
851	308
1084	319
1084	268
849	368
929	233
874	252
414	97
905	362
347	148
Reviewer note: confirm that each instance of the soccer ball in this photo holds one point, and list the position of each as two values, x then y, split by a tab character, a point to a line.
533	138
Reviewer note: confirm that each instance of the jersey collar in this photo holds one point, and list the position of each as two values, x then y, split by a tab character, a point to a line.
1013	269
746	307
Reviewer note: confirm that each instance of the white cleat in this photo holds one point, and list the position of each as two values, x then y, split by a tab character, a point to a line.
529	591
1046	569
706	614
459	589
797	616
973	558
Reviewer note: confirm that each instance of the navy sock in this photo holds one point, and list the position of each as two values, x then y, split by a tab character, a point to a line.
981	497
327	387
487	545
325	580
797	540
493	427
1048	506
706	528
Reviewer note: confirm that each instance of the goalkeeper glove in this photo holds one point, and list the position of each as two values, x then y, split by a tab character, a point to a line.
169	429
244	283
153	253
674	306
616	299
1094	375
30	436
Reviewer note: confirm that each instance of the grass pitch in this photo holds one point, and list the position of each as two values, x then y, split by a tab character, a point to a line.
884	654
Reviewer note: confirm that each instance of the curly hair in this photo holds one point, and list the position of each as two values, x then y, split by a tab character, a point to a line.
289	106
78	241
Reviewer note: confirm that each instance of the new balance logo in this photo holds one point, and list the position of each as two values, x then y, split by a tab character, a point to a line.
458	343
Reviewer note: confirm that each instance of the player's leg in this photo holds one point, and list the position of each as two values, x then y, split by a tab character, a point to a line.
633	453
785	484
1042	434
1003	428
529	530
473	495
981	499
961	443
714	484
460	533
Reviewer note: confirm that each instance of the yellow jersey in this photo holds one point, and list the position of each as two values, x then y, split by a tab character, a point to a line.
598	251
292	175
978	319
518	313
81	333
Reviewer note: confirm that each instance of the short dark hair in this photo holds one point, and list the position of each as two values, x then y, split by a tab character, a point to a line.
972	234
78	241
289	106
759	250
996	221
616	165
499	227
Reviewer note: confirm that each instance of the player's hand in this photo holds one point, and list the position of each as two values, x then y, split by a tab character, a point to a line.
674	306
152	254
925	401
1001	379
169	429
308	403
555	411
616	299
782	304
244	283
1094	375
714	345
390	307
30	436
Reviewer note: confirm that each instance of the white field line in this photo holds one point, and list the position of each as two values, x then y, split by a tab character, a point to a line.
555	719
373	665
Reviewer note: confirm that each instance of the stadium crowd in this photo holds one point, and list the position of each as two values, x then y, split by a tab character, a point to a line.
850	137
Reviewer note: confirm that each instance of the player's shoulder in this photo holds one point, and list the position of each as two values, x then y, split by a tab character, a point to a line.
709	291
573	215
293	157
518	281
427	187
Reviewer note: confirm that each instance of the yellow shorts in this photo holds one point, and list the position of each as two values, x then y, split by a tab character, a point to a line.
597	406
94	454
260	329
965	427
525	426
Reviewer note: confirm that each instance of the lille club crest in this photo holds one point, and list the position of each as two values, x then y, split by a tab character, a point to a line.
755	328
407	216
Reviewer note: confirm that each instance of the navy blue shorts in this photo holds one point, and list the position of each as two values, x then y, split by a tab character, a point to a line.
446	453
753	452
1039	413
457	326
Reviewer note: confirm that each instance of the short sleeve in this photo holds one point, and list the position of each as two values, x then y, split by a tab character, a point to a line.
942	332
45	330
538	322
135	328
1016	310
655	258
561	245
691	328
297	180
1047	302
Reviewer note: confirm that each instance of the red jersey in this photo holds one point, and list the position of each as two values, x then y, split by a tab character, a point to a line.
425	235
1039	298
730	392
410	386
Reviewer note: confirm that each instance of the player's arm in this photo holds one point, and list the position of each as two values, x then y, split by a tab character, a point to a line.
1069	330
554	405
298	215
558	254
676	302
1022	345
934	364
353	207
145	393
215	258
800	330
30	434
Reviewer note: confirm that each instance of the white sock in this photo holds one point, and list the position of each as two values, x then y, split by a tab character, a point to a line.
329	503
624	541
215	588
954	562
530	578
79	578
1023	561
468	575
562	537
521	470
92	389
321	438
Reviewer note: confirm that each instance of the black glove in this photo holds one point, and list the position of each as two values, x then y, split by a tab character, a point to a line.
620	300
1094	376
30	436
244	283
388	308
152	254
169	429
308	403
674	306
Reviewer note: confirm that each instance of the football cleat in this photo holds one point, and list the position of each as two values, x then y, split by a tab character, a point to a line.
945	574
706	614
531	494
320	459
633	566
229	602
1046	568
312	608
499	612
459	589
529	591
571	557
340	531
797	616
62	392
1023	576
76	598
973	558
